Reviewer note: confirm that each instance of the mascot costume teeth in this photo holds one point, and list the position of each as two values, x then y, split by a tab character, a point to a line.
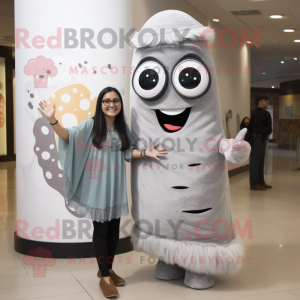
181	204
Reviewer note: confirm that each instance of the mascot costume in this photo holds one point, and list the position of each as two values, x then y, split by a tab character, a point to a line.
181	204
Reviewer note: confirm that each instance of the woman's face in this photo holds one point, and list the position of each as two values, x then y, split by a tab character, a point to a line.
110	109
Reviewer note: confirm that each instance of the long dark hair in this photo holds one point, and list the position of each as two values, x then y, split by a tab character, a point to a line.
99	132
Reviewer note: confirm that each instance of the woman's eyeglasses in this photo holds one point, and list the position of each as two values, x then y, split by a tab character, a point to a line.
107	102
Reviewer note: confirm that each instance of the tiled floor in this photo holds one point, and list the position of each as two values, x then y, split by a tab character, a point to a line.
271	268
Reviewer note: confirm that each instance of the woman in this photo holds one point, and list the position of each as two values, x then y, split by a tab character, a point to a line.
93	155
246	124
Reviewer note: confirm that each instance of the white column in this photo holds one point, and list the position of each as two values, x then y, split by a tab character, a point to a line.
41	31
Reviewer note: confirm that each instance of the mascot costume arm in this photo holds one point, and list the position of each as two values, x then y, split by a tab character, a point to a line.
236	150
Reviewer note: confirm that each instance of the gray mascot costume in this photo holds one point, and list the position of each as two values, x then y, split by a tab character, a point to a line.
181	204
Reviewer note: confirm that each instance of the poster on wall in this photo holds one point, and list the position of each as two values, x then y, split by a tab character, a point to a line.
3	148
289	107
289	111
66	60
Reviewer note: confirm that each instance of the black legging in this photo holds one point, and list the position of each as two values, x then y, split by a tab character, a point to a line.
105	240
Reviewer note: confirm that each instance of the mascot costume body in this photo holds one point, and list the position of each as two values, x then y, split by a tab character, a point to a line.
181	204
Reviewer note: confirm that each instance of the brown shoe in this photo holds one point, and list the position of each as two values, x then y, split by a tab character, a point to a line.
108	290
117	280
257	187
265	185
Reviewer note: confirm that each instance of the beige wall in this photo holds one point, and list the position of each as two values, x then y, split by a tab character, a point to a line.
234	89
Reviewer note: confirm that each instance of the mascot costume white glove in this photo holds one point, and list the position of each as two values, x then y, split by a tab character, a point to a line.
181	204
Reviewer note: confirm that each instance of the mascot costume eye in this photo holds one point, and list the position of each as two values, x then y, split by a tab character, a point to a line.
181	204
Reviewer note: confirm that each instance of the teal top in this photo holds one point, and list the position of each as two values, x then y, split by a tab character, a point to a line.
95	179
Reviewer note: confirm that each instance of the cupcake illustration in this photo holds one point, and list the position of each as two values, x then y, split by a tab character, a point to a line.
40	68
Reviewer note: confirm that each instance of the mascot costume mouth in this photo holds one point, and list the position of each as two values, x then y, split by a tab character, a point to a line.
182	209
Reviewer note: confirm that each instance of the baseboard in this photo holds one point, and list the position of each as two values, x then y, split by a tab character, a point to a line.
238	171
4	158
66	250
287	147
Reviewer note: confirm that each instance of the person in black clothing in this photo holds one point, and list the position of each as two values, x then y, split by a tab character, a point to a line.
261	127
246	124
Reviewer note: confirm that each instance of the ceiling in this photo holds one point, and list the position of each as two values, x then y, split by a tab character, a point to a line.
275	44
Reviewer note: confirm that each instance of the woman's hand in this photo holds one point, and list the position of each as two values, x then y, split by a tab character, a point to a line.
46	110
49	112
152	152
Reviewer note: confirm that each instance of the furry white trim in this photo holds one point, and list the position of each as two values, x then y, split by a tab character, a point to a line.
151	37
193	256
